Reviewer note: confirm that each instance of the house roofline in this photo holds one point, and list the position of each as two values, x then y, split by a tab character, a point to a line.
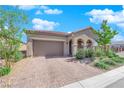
81	30
46	32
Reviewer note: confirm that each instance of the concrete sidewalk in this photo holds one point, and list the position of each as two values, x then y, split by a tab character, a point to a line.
117	84
99	81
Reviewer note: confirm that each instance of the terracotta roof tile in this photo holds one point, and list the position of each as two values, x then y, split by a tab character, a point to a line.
45	32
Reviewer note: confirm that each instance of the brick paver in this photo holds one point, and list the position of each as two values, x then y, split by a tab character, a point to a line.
50	72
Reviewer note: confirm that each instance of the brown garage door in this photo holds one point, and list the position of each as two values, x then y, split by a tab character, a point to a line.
47	48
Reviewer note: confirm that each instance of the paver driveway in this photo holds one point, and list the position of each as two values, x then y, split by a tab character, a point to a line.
50	72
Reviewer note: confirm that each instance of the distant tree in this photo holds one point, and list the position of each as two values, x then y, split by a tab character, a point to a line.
105	34
12	23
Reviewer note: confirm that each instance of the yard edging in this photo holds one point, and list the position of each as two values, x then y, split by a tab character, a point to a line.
99	81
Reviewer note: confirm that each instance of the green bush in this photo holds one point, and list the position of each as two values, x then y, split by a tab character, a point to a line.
89	52
102	65
80	54
111	53
108	61
118	59
102	57
18	56
4	71
122	58
99	52
84	53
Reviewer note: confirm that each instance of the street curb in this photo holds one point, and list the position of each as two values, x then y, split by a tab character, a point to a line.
99	81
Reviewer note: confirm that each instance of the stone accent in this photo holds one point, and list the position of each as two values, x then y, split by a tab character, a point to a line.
30	48
65	49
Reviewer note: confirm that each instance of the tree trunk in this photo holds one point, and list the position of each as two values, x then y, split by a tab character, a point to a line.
105	49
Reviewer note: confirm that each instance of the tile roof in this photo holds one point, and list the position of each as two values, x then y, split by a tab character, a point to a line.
86	29
45	32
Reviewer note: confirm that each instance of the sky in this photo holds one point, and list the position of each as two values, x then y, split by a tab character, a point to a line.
71	18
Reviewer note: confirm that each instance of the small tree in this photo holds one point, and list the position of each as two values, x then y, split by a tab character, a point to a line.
11	31
105	34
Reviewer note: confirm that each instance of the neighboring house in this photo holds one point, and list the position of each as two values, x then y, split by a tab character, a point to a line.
118	46
50	43
23	49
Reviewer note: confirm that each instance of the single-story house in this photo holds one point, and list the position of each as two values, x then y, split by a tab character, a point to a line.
50	43
118	46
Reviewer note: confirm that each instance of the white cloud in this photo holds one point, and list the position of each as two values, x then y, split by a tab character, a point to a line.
97	16
118	38
26	7
41	9
100	12
53	11
120	25
38	12
40	24
69	32
113	17
44	7
48	10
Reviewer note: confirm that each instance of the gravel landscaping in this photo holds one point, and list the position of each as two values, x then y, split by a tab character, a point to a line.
47	72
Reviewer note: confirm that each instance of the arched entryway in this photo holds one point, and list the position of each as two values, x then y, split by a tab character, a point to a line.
70	47
80	43
89	43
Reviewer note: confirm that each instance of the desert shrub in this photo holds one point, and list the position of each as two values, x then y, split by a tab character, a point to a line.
80	54
108	61
101	65
4	71
122	58
102	57
18	56
99	52
84	53
111	53
89	52
118	59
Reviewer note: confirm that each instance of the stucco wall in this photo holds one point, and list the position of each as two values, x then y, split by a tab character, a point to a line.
84	35
45	38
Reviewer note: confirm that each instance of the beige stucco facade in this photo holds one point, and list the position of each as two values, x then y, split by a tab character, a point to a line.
68	48
84	36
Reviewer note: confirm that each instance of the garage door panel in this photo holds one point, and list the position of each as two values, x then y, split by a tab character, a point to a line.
47	48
